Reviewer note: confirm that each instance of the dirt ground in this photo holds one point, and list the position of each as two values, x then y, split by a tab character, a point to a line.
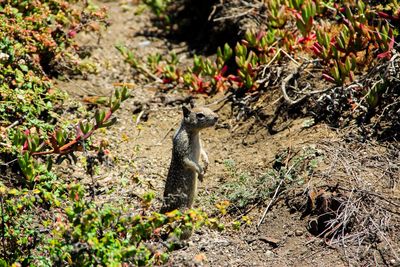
140	149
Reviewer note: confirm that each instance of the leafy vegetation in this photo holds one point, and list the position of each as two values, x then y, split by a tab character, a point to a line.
55	224
33	36
242	190
346	36
344	41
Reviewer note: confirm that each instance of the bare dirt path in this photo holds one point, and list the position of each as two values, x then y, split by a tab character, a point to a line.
140	152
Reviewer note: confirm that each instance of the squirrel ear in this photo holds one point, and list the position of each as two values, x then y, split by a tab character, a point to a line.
192	103
186	111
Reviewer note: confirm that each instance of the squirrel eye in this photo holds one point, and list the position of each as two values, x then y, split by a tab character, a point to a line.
200	116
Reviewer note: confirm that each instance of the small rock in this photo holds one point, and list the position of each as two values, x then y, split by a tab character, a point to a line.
199	258
223	242
144	43
269	254
393	261
298	233
290	233
203	248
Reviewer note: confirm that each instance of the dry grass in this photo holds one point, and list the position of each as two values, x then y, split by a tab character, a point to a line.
353	202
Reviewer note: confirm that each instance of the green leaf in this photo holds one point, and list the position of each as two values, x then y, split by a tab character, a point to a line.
240	61
99	116
108	123
335	72
219	52
340	41
319	37
348	65
301	26
227	52
326	40
117	94
23	67
60	137
49	163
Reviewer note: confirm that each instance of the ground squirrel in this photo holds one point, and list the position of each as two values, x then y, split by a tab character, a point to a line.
181	184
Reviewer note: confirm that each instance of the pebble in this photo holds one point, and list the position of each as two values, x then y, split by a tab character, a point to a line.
298	233
269	254
203	248
290	233
223	242
144	43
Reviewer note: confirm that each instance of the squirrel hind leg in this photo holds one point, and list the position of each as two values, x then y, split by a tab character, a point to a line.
174	201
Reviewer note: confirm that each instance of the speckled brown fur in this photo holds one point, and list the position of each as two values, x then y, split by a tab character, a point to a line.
181	184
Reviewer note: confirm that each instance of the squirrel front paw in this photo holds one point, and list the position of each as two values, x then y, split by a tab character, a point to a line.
201	175
206	162
205	168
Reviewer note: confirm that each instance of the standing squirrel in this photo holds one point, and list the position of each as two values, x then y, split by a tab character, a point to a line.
181	184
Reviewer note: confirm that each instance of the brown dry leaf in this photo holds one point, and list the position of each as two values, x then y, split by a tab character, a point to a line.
326	202
95	26
129	85
96	100
311	198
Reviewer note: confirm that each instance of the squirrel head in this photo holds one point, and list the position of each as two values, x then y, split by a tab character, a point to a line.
198	118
